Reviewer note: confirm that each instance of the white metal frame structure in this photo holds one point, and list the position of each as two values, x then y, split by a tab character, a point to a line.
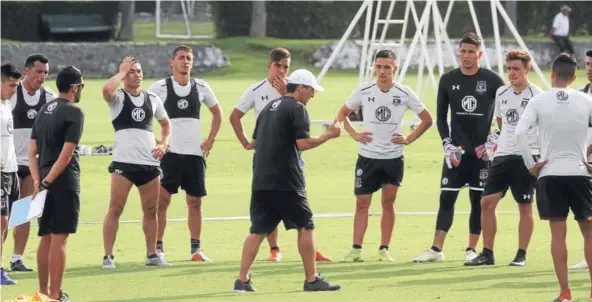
187	7
429	61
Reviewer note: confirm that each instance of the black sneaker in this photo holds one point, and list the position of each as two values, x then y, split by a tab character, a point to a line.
64	297
19	266
320	285
519	260
480	260
241	287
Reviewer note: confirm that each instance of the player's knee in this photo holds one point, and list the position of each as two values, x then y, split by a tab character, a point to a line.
150	211
489	203
194	203
447	200
362	203
115	210
525	210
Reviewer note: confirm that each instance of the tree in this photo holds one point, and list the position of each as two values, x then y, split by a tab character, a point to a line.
258	20
126	31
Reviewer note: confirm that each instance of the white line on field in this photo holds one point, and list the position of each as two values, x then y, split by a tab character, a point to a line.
322	215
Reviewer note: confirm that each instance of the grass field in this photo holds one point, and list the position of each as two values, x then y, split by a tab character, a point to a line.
329	175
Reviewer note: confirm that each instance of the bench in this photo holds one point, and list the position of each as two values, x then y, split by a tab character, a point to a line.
70	27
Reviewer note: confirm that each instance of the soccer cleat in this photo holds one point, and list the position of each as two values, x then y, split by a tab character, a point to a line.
157	261
564	297
108	262
480	261
320	284
582	265
430	256
384	255
320	257
241	287
470	255
354	255
64	297
518	261
4	279
19	266
274	256
199	256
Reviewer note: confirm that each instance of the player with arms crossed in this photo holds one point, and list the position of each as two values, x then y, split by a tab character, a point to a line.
55	166
185	164
9	187
587	89
469	93
380	162
562	116
26	103
136	155
256	97
279	193
507	171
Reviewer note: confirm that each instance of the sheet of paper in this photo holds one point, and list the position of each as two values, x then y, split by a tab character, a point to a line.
27	209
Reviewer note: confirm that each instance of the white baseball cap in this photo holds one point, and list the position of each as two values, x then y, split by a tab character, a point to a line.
304	77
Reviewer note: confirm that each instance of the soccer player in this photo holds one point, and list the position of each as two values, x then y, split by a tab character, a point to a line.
282	132
507	171
184	166
136	157
26	103
469	93
256	97
587	89
54	166
562	116
380	163
8	166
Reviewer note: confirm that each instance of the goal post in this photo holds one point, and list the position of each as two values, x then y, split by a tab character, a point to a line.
187	11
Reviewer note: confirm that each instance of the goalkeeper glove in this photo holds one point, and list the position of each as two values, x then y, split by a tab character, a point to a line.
487	150
452	153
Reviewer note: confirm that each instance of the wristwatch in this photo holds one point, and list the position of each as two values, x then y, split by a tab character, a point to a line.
44	185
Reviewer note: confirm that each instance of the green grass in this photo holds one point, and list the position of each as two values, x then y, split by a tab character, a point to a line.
329	175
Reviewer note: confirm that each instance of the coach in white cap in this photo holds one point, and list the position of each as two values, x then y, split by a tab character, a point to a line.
278	194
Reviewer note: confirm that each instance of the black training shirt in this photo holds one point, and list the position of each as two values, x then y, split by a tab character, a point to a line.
279	125
471	100
58	122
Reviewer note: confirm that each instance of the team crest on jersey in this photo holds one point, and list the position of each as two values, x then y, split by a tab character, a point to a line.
444	181
31	114
524	103
359	172
481	87
483	174
10	126
396	100
51	107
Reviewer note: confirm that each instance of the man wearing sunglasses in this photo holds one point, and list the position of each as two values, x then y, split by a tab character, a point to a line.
54	166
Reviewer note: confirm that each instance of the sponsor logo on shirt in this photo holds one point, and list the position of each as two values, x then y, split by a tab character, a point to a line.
31	114
182	104
138	114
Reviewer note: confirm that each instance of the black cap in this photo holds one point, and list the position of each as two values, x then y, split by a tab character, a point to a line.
67	77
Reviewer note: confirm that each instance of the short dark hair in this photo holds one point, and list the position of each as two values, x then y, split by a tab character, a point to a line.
67	77
182	48
291	87
471	38
589	53
386	54
10	71
278	54
564	66
519	54
36	57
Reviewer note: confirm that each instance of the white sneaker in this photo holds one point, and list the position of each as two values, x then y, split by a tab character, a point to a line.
430	256
582	265
470	255
157	261
108	263
200	256
160	254
384	255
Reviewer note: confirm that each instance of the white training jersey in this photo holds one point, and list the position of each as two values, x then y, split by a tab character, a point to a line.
7	151
562	116
588	90
383	116
509	106
134	145
184	113
257	96
24	117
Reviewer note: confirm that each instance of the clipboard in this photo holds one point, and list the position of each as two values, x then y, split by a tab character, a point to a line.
27	209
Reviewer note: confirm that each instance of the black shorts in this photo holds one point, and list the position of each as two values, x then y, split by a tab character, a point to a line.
510	172
138	174
268	208
371	174
9	191
23	171
61	211
185	171
557	194
471	171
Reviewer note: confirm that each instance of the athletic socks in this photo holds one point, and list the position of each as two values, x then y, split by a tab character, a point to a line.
16	258
383	247
521	253
159	246
194	245
436	249
487	253
470	249
275	248
357	246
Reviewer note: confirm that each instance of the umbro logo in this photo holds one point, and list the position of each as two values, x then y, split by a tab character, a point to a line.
455	87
